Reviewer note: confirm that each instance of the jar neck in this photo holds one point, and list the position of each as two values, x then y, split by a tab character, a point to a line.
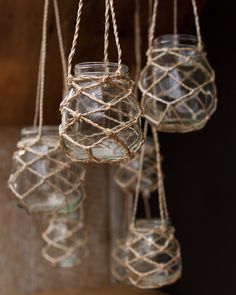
32	131
152	223
99	69
176	41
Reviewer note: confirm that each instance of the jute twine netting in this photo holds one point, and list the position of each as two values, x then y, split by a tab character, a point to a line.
178	84
100	115
66	240
154	258
43	179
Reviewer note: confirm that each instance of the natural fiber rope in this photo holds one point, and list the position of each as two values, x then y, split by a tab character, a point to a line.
152	29
42	68
137	41
106	33
175	11
136	197
197	24
61	44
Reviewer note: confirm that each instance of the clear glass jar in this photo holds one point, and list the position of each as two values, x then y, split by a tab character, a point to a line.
179	91
154	258
118	261
66	241
99	103
127	174
43	179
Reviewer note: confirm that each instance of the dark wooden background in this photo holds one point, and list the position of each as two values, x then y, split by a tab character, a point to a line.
199	167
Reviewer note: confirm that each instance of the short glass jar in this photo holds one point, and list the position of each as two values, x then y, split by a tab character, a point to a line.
66	241
43	179
154	258
100	115
127	174
178	85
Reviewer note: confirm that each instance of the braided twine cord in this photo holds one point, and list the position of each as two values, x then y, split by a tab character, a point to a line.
177	84
39	163
66	240
100	111
154	255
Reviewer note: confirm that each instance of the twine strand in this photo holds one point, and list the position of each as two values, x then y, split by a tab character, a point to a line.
42	68
160	179
75	38
106	33
175	28
36	110
138	45
152	29
197	24
116	35
61	44
136	197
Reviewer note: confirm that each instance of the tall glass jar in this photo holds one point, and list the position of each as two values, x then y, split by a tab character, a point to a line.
66	241
154	258
100	115
43	179
178	85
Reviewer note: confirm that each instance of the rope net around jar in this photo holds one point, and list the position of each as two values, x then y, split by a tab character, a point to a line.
42	178
154	258
115	117
66	240
178	84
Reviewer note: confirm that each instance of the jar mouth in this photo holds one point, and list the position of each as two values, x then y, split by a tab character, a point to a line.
151	223
51	130
179	40
99	68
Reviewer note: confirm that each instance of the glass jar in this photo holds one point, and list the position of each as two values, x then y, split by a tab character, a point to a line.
127	174
43	179
100	115
66	241
178	85
154	258
118	261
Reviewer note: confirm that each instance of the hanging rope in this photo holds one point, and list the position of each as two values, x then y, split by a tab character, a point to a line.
61	44
175	29
197	24
152	29
106	33
137	41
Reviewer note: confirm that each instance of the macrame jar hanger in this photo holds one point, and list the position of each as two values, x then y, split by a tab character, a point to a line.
151	36
164	215
38	115
109	7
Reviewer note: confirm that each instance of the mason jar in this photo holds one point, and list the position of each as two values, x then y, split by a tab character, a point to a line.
154	258
100	115
127	174
43	179
178	85
66	241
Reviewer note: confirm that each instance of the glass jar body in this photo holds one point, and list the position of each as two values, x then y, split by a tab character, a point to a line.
153	254
178	85
43	179
100	115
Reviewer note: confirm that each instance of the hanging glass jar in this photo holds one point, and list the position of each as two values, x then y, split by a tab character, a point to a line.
178	85
100	115
118	261
66	240
43	179
154	258
127	174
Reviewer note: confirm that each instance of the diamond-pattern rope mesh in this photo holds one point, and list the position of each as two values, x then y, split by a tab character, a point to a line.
179	92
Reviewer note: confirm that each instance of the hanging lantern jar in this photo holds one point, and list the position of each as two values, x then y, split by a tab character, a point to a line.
127	174
118	261
154	256
100	114
178	83
66	241
43	179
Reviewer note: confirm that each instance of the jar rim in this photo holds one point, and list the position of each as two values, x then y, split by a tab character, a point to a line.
152	223
33	130
112	66
181	39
